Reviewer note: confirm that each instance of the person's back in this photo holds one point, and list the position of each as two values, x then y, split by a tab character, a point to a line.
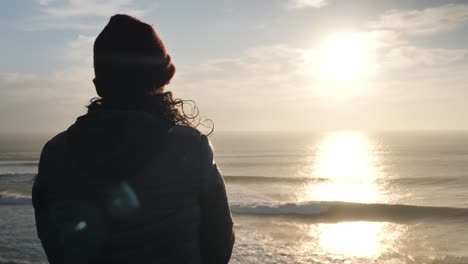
126	183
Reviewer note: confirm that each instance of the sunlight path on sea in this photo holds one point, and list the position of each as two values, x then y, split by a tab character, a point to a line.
350	164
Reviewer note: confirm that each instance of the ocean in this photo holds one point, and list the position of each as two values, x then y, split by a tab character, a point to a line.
337	197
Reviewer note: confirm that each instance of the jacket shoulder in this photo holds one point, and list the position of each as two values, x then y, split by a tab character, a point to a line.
57	140
52	157
191	140
54	152
55	145
186	133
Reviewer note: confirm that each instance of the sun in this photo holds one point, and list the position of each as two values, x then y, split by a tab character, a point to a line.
346	57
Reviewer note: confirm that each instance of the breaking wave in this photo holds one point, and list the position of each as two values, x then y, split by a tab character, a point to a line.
12	198
344	211
427	181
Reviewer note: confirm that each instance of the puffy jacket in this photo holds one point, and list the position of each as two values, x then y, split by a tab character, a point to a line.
124	187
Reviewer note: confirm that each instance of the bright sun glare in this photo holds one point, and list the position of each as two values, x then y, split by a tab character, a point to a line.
347	160
346	57
350	163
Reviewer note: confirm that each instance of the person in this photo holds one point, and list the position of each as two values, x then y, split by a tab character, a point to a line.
132	180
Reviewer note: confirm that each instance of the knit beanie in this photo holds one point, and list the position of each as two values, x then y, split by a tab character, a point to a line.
130	59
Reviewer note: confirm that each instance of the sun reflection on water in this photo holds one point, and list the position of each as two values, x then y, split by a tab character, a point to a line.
344	155
355	239
349	163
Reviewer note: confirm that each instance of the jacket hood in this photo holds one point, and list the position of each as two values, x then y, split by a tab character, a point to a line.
116	143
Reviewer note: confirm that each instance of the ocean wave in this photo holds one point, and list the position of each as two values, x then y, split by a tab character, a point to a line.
271	179
344	211
12	198
328	211
430	180
434	180
19	163
15	261
10	175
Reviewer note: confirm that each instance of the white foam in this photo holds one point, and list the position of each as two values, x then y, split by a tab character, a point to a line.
14	261
14	198
311	208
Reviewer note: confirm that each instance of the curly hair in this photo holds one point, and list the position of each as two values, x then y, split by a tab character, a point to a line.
172	110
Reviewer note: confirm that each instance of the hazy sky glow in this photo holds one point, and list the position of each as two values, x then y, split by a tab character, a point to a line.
253	64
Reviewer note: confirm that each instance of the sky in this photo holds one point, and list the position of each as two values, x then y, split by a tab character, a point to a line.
251	65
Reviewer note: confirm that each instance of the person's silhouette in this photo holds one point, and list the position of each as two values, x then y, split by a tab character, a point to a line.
132	181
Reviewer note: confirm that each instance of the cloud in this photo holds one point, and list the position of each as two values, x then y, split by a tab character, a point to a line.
45	2
276	70
300	4
264	71
61	84
82	15
264	87
268	87
279	87
43	103
393	52
41	24
404	57
257	80
423	22
80	49
88	8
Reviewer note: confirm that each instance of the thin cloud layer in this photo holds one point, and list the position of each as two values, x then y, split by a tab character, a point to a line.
43	103
82	15
300	4
88	8
268	85
394	52
80	49
427	21
407	57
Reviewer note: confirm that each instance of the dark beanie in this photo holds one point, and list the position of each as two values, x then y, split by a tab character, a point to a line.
130	59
